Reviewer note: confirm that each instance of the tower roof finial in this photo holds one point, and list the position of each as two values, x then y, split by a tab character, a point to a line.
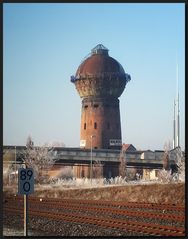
100	49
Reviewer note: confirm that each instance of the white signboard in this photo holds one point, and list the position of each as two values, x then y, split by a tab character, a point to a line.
25	181
82	143
115	142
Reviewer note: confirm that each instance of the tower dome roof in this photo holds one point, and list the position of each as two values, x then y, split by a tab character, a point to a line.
99	62
100	75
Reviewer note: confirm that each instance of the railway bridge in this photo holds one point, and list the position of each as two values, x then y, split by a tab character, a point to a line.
108	159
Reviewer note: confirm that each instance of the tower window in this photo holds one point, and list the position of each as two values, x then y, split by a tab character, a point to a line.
96	105
95	125
84	125
86	106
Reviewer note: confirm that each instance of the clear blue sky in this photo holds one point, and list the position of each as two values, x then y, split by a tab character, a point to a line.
43	45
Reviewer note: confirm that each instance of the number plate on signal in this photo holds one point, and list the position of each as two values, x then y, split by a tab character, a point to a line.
25	181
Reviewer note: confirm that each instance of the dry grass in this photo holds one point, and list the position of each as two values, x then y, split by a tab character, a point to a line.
153	193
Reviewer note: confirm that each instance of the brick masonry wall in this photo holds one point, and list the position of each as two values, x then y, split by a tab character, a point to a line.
100	117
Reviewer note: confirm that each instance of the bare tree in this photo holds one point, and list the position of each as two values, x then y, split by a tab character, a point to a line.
98	169
167	146
39	158
173	166
178	165
166	163
122	166
56	143
164	176
164	173
9	165
181	166
29	143
165	157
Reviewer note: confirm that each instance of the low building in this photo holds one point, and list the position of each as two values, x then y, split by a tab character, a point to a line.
150	174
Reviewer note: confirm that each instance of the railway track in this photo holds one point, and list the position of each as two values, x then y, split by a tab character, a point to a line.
101	214
117	211
153	206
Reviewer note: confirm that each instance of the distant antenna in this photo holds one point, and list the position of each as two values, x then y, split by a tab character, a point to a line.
178	111
178	124
174	126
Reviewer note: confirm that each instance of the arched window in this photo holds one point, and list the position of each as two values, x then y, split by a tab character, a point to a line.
84	125
95	125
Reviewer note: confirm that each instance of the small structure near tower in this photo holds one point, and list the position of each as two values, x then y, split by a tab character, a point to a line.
100	80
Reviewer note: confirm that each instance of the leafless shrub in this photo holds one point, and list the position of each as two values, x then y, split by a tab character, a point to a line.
173	166
119	180
180	161
131	174
164	176
8	168
6	175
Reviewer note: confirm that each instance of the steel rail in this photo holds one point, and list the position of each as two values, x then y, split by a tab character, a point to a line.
148	228
66	203
117	211
174	207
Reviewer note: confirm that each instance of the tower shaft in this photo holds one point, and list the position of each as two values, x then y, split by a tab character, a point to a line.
101	118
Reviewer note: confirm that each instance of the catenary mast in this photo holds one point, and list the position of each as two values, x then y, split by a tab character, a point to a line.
174	126
176	120
178	113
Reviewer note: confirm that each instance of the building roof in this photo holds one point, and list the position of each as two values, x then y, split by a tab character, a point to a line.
129	147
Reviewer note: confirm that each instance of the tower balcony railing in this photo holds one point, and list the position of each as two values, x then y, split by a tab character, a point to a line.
101	75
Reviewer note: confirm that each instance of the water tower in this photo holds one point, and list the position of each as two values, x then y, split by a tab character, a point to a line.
100	80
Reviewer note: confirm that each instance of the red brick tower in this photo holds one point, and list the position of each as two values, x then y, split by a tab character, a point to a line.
100	80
